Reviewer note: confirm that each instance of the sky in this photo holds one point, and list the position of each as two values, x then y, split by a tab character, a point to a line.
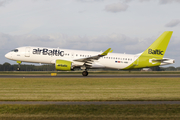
126	26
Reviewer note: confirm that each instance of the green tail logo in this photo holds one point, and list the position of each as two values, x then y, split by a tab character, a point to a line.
158	52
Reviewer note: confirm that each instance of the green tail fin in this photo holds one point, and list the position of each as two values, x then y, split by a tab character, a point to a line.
155	51
158	48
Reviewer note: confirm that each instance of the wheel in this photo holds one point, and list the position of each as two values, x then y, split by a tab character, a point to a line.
85	73
18	68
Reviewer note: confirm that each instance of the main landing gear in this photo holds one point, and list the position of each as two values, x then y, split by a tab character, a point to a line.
85	73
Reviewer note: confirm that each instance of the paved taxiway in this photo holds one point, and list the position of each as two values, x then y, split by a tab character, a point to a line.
88	102
95	76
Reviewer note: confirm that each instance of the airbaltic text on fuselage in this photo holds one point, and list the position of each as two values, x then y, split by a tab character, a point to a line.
46	51
155	52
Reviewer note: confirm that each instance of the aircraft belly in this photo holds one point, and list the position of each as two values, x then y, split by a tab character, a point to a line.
115	64
97	65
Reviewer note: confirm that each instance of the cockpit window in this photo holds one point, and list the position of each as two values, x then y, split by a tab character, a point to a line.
15	50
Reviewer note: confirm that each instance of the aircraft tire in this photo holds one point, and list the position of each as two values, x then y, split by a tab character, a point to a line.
85	73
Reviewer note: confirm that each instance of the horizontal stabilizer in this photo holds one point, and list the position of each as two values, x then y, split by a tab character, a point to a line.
163	61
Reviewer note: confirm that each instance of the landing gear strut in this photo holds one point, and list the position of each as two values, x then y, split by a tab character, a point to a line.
85	73
18	68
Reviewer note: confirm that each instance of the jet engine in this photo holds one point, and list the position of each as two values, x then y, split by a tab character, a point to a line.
63	65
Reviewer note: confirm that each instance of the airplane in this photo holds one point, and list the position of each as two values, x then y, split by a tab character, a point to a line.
67	60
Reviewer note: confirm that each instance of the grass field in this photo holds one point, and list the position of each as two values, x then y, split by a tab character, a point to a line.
90	112
89	89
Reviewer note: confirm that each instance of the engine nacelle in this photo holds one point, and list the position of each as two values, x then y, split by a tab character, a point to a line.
63	65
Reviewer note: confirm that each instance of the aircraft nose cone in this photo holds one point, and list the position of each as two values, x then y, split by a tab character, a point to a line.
8	56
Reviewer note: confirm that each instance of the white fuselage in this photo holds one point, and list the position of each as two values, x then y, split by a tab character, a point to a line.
50	55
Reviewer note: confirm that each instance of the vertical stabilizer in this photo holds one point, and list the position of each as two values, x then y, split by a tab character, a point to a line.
158	48
153	55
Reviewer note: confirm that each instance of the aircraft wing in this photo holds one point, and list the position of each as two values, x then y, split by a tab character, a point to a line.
92	58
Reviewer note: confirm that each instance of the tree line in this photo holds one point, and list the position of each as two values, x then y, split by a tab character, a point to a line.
47	67
25	67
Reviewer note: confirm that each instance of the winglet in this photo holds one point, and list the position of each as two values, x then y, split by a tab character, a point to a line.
106	52
111	51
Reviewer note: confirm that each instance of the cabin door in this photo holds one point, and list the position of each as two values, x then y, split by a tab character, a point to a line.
27	52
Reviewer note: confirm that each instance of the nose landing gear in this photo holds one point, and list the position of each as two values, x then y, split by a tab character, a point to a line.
18	68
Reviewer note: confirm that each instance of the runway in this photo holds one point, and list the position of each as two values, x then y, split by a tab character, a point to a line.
96	76
89	102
